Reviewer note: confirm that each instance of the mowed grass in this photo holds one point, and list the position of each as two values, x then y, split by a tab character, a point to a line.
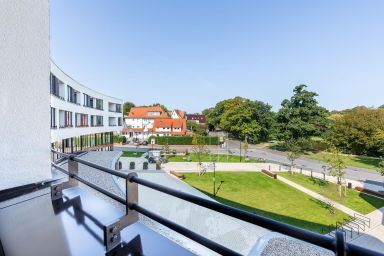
359	202
210	158
132	154
357	161
255	192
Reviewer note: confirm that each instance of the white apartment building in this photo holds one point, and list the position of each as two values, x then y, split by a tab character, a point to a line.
81	118
143	122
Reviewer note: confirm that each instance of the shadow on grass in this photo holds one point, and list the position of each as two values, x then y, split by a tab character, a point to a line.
313	226
367	161
329	188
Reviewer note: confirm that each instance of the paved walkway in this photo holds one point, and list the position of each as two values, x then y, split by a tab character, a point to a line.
317	196
372	237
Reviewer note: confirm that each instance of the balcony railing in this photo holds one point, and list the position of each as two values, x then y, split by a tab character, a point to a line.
112	232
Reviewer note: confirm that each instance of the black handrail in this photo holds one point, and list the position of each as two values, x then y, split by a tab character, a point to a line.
337	245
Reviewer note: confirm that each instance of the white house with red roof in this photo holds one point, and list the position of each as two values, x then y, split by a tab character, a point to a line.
143	122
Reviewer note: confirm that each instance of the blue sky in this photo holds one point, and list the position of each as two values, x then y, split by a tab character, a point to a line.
190	54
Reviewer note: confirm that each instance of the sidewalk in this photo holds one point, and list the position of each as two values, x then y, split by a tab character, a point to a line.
317	196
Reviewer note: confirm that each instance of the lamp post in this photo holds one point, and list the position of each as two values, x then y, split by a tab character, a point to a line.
214	178
240	151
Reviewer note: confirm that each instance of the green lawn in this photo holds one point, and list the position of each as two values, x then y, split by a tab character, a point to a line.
359	202
211	157
357	161
255	192
132	154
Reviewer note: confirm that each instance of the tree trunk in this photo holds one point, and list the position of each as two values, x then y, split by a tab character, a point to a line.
339	188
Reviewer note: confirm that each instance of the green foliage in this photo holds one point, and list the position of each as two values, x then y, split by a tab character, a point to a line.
182	140
359	131
242	118
119	139
145	166
197	128
295	150
127	107
381	168
301	117
199	147
158	166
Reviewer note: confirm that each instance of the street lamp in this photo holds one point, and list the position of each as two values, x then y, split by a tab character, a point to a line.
214	178
240	151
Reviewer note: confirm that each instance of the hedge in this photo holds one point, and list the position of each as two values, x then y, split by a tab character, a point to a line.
182	140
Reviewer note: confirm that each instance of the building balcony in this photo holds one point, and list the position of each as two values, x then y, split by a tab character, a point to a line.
61	218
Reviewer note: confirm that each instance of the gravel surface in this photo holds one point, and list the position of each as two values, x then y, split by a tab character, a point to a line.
282	246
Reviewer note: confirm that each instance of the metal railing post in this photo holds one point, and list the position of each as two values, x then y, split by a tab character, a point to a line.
340	244
73	169
132	197
112	236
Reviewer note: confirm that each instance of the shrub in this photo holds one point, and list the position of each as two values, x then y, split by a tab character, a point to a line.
131	165
183	140
119	139
145	166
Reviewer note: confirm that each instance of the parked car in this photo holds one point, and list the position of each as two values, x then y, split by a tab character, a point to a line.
144	143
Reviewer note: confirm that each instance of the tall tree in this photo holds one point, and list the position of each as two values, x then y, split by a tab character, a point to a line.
199	148
295	150
301	117
127	107
242	118
337	167
358	131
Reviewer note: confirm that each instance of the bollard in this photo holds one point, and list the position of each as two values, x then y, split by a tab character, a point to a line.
269	167
279	167
301	170
323	176
311	174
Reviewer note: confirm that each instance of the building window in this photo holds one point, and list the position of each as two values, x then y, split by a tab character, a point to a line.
99	104
73	95
53	118
99	120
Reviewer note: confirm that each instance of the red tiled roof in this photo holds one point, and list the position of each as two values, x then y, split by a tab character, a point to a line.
142	112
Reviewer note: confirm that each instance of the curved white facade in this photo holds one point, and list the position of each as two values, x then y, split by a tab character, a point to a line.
77	110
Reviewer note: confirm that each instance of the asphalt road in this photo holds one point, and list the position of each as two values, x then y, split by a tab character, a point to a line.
278	157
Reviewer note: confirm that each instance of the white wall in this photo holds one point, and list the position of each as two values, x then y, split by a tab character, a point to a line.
24	92
59	104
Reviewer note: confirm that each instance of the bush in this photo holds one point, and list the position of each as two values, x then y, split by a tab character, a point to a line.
183	140
145	166
119	139
131	165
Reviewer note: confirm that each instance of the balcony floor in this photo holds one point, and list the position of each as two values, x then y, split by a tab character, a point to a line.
33	225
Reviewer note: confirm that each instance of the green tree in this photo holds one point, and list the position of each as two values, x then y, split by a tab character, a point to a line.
127	107
337	167
242	118
294	152
301	117
197	128
381	168
358	131
246	147
199	147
